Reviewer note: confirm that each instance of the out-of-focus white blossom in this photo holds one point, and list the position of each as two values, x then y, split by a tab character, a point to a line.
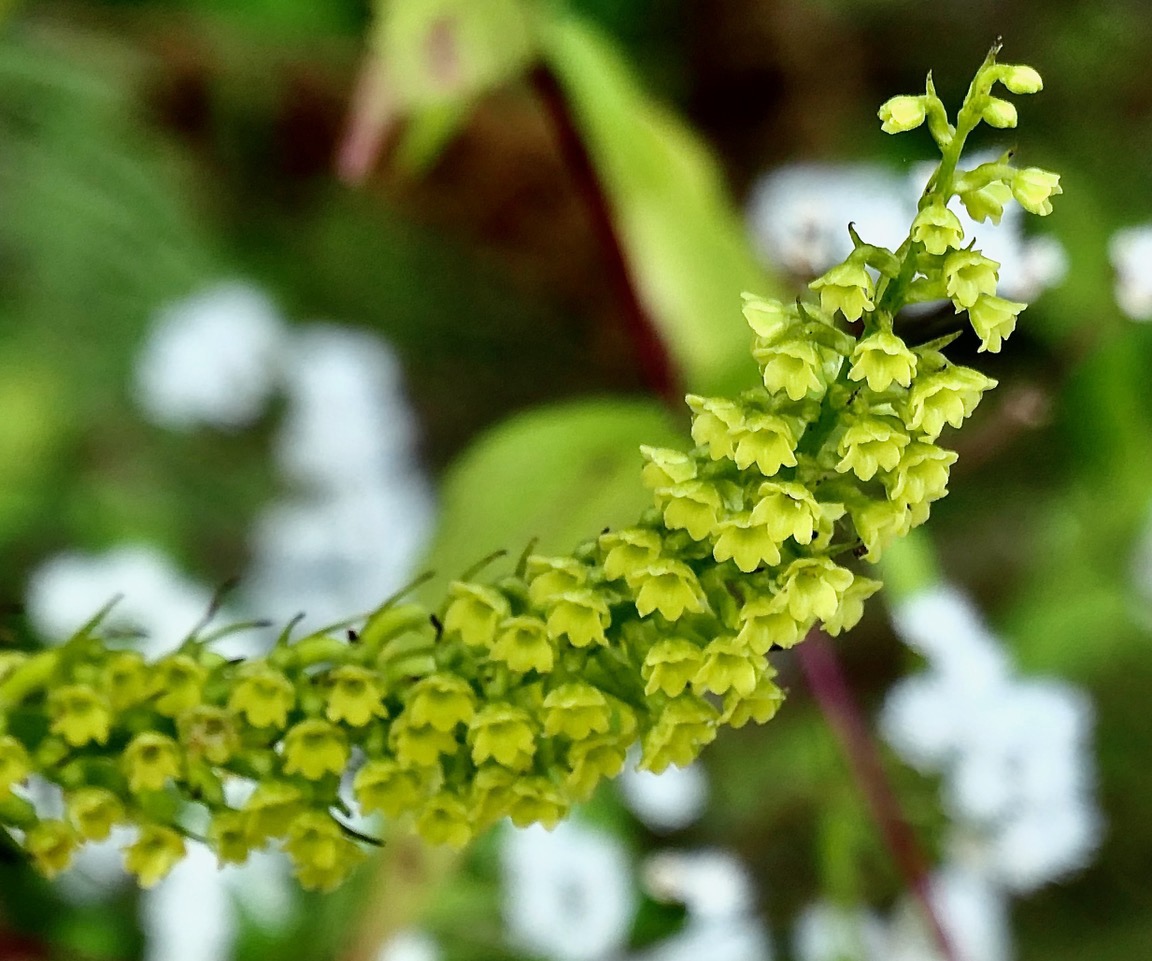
971	910
1130	250
798	216
157	600
568	894
829	932
211	359
1015	753
719	899
665	802
410	945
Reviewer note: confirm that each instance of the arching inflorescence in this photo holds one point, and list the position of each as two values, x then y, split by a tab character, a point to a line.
519	695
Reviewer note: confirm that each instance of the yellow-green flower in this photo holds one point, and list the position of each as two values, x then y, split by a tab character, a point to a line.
576	710
813	587
878	523
987	202
124	680
474	612
150	759
523	644
1019	77
847	288
210	733
15	764
728	666
51	844
669	665
671	588
580	616
628	550
420	745
536	800
766	620
967	275
79	714
787	509
882	359
446	819
94	811
153	854
693	506
387	787
994	319
870	444
791	365
749	544
767	317
684	726
177	684
440	701
713	422
851	608
548	576
321	855
263	695
270	810
938	229
999	113
314	748
229	837
901	114
503	733
591	761
768	441
759	706
1034	189
492	793
922	475
354	696
664	467
945	397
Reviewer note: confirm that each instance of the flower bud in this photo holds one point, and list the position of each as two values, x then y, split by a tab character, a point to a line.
999	113
901	114
1020	78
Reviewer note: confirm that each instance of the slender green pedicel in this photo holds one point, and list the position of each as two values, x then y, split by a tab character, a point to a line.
517	697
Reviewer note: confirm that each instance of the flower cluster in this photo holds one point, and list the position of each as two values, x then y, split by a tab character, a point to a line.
517	696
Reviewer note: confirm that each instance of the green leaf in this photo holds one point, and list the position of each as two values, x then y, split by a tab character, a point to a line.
558	475
684	239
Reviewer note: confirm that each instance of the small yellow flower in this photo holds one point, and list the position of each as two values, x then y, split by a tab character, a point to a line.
813	587
791	365
728	666
768	441
153	854
945	397
1034	189
355	696
150	760
882	359
94	811
664	467
968	275
901	114
576	710
628	550
669	665
503	733
922	475
79	714
229	837
51	845
419	745
693	506
315	748
321	855
994	319
749	544
523	644
847	288
591	761
15	764
999	113
178	683
714	420
759	706
786	509
474	612
851	607
263	695
270	811
387	787
209	733
684	726
440	701
870	444
536	800
766	621
125	679
446	819
548	576
580	616
938	229
671	588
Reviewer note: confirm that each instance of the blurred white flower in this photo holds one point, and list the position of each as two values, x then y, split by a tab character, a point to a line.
157	600
568	893
719	899
410	945
1130	250
665	802
972	912
798	216
1015	753
829	932
211	358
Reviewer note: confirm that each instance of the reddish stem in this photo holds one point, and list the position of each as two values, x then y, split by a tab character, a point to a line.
830	687
651	354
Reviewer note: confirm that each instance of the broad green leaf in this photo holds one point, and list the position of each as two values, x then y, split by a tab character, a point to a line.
684	238
558	475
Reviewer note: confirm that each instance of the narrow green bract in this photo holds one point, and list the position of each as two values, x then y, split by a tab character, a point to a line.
519	695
